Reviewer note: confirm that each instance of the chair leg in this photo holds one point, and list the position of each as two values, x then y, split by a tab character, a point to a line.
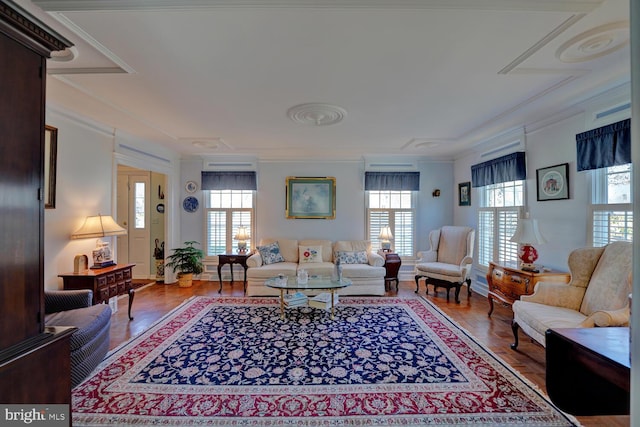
418	283
468	286
514	328
458	286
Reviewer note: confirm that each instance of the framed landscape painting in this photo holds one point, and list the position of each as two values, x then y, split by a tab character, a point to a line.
553	182
311	198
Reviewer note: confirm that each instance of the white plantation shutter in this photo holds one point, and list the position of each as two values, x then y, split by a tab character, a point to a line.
611	223
217	233
241	218
403	233
486	221
507	223
377	220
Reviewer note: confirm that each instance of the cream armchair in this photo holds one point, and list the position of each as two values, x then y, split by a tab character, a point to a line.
448	263
597	294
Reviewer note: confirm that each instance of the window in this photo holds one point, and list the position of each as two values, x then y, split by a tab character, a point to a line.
226	210
500	208
139	200
611	207
395	209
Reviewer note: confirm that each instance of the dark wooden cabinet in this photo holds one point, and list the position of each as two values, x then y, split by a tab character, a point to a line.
508	283
588	370
25	43
105	282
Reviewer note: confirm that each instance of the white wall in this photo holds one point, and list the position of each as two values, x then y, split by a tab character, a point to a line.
562	222
350	220
87	156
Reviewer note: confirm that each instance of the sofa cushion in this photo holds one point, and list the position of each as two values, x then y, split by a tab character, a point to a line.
272	270
324	269
352	257
309	254
270	253
542	317
326	247
89	321
288	248
356	271
610	282
351	246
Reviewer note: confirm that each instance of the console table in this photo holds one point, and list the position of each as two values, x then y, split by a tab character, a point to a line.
588	370
105	282
507	283
232	259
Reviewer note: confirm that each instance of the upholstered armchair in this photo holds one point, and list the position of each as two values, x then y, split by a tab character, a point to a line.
448	263
597	294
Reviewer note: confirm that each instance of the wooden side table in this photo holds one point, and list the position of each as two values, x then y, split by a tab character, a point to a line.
233	259
392	263
508	282
105	282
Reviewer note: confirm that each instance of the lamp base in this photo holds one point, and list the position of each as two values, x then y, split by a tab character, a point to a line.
529	267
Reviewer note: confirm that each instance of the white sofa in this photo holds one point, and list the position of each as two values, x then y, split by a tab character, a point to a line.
367	278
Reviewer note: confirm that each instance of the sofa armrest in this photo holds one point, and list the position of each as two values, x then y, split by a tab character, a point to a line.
58	300
254	260
618	317
557	295
375	259
427	256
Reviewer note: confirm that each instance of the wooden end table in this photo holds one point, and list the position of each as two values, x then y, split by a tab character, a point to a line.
392	263
232	259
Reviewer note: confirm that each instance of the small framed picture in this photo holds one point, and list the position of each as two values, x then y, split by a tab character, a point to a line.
553	182
464	194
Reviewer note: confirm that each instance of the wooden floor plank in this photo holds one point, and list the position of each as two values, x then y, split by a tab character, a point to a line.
154	301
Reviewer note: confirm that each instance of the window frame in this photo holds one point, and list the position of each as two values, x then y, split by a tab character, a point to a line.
230	243
375	240
599	203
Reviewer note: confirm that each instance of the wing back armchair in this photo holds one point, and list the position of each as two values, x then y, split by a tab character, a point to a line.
448	263
597	294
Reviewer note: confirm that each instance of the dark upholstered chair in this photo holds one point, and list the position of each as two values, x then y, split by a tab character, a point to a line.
90	343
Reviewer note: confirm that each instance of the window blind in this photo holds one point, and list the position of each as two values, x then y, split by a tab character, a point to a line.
511	167
605	146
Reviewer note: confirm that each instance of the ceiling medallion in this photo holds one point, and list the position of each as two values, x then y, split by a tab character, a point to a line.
595	43
317	114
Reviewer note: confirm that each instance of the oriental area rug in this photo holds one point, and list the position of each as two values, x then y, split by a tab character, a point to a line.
382	362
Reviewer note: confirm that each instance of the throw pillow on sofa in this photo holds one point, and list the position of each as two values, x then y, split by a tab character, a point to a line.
356	257
270	253
310	254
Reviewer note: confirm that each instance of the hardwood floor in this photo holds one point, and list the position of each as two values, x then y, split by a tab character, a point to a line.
154	301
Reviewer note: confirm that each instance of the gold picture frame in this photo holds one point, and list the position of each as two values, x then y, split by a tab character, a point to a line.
310	197
50	162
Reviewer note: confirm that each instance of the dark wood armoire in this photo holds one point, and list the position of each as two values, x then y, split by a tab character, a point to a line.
34	360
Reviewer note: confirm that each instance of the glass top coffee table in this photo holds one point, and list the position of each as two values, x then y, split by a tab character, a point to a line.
313	283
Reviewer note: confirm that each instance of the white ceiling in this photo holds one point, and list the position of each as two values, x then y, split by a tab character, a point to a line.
415	77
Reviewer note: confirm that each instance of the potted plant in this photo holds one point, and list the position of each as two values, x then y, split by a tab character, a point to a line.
186	261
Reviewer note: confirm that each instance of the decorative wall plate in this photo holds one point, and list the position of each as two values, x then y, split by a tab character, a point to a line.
160	207
190	204
191	187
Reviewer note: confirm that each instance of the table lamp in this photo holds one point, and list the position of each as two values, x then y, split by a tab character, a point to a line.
527	234
98	226
242	236
385	238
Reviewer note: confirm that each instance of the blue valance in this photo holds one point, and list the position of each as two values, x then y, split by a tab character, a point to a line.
229	180
392	181
511	167
603	147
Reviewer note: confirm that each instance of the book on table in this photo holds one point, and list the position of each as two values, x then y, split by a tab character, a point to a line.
323	301
294	300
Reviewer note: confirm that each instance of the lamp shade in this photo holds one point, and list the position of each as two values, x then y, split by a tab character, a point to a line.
385	233
242	234
98	226
527	231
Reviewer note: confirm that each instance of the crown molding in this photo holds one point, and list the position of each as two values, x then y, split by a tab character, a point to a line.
574	6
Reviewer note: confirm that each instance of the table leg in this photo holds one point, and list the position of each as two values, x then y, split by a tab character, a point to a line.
231	270
332	293
281	304
220	277
132	293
